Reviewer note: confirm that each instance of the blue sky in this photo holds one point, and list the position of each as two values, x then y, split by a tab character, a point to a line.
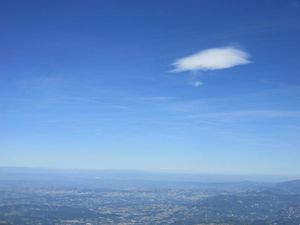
193	86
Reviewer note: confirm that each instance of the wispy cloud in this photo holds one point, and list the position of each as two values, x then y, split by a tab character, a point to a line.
196	83
249	114
212	59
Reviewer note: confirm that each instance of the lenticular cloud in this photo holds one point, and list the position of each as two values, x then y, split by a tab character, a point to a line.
212	59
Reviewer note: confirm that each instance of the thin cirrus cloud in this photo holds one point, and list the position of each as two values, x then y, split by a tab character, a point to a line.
212	59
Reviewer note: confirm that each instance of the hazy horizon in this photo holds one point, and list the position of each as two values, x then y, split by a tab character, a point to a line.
163	175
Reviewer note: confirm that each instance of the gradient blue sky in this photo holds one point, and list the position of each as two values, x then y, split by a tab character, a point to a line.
89	84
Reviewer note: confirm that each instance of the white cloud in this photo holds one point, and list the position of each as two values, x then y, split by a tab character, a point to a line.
212	59
196	83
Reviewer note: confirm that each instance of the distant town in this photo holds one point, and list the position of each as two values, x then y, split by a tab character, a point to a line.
51	198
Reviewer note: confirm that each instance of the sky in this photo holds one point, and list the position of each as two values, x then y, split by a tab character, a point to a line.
186	86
